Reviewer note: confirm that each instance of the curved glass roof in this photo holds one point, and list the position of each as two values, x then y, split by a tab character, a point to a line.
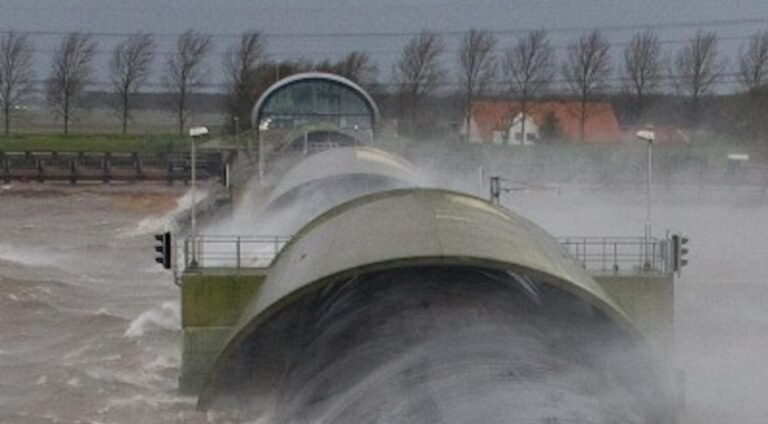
314	101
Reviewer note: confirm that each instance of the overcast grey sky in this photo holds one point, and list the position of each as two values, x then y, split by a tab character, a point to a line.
379	27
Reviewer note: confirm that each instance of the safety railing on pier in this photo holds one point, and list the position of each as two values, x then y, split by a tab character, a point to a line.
205	251
608	254
77	167
620	254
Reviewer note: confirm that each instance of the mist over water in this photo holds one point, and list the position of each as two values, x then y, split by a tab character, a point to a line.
718	298
312	186
449	345
76	274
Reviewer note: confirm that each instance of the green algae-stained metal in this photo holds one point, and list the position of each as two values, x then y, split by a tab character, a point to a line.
216	300
359	160
407	227
212	303
649	301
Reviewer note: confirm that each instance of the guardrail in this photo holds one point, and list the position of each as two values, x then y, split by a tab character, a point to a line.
231	251
608	254
617	254
77	167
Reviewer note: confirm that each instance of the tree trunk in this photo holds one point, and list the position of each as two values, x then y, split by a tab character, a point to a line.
181	114
125	115
7	114
66	115
523	114
467	118
696	112
583	119
414	106
126	88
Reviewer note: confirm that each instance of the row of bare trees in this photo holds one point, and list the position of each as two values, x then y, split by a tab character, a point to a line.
130	65
526	70
15	72
246	69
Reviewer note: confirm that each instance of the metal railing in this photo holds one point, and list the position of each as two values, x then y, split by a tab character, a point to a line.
109	166
608	254
620	254
205	251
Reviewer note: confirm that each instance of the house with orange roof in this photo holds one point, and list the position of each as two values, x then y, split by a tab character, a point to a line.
501	122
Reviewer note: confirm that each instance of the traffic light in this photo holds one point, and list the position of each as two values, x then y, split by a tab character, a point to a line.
163	249
679	252
495	190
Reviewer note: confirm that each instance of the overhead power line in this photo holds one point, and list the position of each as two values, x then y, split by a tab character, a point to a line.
716	23
615	81
394	51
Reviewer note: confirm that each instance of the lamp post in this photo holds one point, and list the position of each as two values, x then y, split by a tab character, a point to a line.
649	137
194	133
263	127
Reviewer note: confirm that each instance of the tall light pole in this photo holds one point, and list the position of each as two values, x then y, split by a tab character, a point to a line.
263	127
649	137
194	133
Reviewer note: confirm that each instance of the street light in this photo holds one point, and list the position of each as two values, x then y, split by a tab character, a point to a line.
649	137
263	126
194	133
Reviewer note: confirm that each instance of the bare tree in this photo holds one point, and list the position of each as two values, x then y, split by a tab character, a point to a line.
15	71
477	69
130	68
185	72
586	70
698	69
530	68
70	71
241	64
753	62
642	68
269	72
355	66
419	71
753	75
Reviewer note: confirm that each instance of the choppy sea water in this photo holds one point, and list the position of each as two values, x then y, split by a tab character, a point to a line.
89	323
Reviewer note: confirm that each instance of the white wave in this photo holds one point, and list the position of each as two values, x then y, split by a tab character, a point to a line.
167	221
165	317
162	363
28	256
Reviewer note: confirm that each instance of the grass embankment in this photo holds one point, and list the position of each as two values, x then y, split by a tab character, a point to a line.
93	143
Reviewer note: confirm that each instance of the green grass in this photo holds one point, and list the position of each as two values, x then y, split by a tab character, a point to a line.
92	143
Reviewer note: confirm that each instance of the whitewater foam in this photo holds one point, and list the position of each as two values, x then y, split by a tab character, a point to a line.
29	256
167	221
165	317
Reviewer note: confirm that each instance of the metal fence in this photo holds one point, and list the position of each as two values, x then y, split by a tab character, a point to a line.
109	166
608	254
620	254
231	251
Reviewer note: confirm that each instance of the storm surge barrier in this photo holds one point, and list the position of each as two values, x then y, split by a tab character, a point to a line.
241	295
